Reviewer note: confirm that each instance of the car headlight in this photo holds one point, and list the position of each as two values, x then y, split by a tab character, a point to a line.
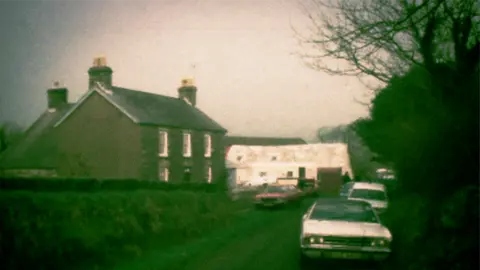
380	242
312	239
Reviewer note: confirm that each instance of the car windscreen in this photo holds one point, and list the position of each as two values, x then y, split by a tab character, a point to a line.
368	194
272	189
351	212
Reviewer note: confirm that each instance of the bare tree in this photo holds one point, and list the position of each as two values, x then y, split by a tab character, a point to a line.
381	39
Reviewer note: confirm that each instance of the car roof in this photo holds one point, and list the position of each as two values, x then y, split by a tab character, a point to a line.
340	201
372	186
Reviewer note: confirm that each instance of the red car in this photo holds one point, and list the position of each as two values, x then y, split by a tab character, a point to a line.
277	195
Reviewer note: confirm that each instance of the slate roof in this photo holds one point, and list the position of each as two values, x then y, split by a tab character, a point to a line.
154	109
34	150
262	141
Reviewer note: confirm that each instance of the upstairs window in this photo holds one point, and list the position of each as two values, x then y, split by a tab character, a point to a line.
163	143
208	145
187	144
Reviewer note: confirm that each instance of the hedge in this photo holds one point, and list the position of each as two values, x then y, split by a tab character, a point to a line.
90	185
81	230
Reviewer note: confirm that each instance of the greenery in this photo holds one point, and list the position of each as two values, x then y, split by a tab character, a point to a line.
71	230
360	156
9	134
92	184
424	120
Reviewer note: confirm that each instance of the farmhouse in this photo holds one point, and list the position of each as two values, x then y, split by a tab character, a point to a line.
272	162
118	133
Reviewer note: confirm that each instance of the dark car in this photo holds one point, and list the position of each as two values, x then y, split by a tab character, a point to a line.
278	195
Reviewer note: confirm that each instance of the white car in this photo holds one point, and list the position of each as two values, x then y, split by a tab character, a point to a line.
338	228
373	193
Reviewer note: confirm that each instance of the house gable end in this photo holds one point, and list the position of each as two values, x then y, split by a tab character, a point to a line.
103	93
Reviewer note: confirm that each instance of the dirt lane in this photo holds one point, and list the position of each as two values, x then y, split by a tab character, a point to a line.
273	246
271	242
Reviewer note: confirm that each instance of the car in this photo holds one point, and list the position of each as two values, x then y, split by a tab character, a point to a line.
278	195
342	229
345	189
373	193
308	186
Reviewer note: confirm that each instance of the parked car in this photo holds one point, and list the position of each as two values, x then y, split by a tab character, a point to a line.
278	195
373	193
341	229
345	189
309	186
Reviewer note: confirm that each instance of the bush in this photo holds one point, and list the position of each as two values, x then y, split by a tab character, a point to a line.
428	238
62	230
88	184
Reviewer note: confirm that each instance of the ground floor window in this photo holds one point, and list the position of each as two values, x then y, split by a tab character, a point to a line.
163	173
208	173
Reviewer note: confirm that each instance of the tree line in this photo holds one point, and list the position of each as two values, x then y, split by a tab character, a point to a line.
420	59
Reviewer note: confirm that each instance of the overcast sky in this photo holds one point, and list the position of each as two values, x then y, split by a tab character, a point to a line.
247	76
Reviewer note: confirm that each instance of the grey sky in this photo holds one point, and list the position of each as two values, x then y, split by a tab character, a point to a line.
247	77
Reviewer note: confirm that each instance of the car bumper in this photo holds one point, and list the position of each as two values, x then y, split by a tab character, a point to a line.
270	204
345	253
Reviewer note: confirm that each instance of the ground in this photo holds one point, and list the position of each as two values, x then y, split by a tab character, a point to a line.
258	240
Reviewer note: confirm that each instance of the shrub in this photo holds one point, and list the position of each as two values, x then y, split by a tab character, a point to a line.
90	184
428	238
61	230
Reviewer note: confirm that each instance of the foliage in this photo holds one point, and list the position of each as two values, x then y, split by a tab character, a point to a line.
9	134
69	230
424	122
91	185
360	156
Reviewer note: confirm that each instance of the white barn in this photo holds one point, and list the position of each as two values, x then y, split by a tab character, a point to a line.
248	163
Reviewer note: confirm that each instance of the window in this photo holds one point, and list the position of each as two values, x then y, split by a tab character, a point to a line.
163	143
368	194
208	145
263	174
209	173
274	158
187	175
163	173
187	144
239	158
289	174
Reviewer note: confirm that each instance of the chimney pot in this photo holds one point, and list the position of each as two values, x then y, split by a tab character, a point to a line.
100	61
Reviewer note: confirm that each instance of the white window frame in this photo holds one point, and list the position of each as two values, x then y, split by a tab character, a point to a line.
187	139
163	152
166	173
209	174
207	138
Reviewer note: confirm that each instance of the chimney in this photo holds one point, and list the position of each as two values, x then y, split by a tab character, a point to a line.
100	72
188	91
57	96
